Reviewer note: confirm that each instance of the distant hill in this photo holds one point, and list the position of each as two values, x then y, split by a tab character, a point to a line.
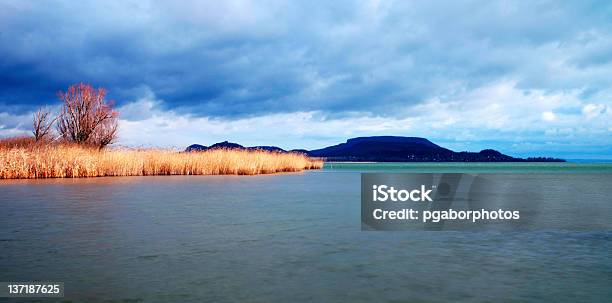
388	149
231	145
408	149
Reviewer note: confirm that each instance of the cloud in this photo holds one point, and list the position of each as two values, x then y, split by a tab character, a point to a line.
549	116
473	71
554	124
550	127
232	59
593	110
14	125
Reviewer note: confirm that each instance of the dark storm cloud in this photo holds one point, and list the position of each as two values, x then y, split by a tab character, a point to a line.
230	59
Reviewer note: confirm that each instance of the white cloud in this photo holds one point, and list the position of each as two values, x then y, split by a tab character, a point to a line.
14	125
593	110
549	116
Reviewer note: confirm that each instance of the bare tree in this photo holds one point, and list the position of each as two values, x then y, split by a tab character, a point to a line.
105	133
42	124
86	117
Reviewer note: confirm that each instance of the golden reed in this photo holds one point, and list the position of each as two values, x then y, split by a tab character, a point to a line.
71	161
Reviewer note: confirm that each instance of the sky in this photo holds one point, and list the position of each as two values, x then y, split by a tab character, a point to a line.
528	78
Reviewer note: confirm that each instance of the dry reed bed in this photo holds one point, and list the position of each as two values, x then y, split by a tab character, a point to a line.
65	161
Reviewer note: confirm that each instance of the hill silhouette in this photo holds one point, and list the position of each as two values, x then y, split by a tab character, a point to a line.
388	149
231	145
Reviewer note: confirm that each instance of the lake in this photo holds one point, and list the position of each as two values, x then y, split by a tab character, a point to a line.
285	238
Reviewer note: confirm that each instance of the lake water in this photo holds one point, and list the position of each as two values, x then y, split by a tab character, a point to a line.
283	238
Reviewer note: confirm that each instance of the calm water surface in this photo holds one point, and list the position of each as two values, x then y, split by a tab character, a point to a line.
288	237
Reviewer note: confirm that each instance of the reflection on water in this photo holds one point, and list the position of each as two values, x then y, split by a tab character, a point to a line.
288	237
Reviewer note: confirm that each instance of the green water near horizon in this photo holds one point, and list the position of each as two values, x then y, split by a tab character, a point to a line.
470	167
